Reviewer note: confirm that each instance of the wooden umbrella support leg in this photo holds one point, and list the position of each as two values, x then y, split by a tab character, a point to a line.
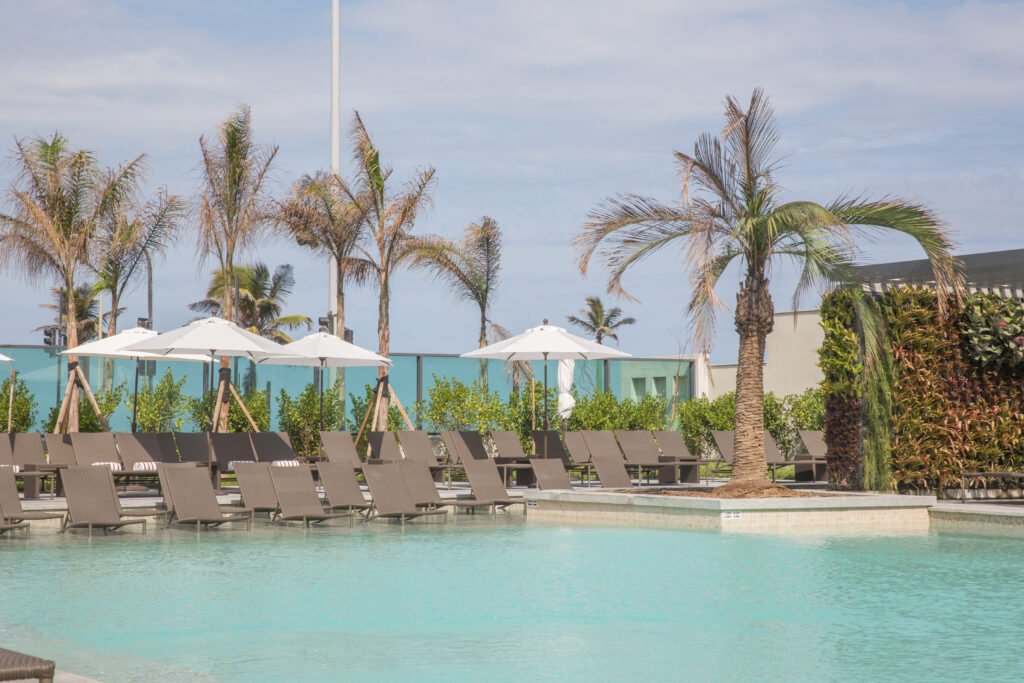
92	399
216	407
62	414
394	397
369	409
245	411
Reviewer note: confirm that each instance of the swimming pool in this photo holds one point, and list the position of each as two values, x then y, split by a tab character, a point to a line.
506	600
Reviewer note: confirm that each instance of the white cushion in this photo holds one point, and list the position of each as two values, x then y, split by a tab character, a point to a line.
231	465
145	466
114	466
285	463
14	468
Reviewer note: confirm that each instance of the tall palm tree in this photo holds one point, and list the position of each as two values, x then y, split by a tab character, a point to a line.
261	298
126	237
600	323
469	266
57	201
736	215
87	322
388	217
233	207
319	216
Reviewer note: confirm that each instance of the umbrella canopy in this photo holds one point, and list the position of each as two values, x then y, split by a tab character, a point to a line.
546	342
213	337
327	351
5	359
115	347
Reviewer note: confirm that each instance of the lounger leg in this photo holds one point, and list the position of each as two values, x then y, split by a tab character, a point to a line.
143	527
402	518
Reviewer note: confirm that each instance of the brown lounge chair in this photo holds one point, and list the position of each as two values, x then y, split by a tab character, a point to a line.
92	501
192	499
383	447
391	497
100	449
229	448
31	478
416	446
423	488
816	452
641	451
484	479
299	499
273	447
338	447
510	452
194	447
341	487
15	666
673	446
550	474
607	459
576	447
258	493
472	444
12	514
134	452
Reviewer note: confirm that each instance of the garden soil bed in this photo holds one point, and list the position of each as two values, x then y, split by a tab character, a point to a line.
748	489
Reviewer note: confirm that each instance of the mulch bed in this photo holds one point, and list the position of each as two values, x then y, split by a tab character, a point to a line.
734	489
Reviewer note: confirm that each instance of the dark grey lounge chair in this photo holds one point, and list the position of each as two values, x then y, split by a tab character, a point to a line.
134	452
816	453
550	474
15	666
11	512
229	448
272	446
194	447
192	499
673	446
299	499
341	487
423	488
607	459
641	451
416	446
383	447
391	497
100	449
338	447
472	444
92	501
59	450
510	452
725	442
254	482
31	478
28	451
805	466
576	448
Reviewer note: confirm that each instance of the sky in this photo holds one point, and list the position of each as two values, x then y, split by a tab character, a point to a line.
531	112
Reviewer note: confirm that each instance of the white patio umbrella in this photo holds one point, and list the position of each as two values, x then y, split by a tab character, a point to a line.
565	400
215	337
546	342
116	345
10	400
324	350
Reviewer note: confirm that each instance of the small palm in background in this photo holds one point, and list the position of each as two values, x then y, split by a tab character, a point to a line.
600	323
261	298
86	302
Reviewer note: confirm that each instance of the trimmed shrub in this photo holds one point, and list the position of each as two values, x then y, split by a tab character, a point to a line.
24	407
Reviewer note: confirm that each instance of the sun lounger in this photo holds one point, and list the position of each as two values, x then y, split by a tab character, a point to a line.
5	527
473	445
257	489
99	449
423	488
510	452
229	448
338	447
547	444
11	512
341	486
28	451
576	447
299	500
383	447
192	499
725	442
135	456
607	459
273	446
31	478
17	666
816	450
391	497
641	451
481	471
59	449
416	446
673	446
92	501
550	474
194	447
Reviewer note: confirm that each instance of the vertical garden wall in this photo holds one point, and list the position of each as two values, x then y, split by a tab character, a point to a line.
945	395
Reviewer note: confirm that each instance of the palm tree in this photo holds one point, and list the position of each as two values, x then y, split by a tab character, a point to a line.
469	267
233	209
261	297
319	216
736	215
86	303
388	217
127	236
58	200
600	323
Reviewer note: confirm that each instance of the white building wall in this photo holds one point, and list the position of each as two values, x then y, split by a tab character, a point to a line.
791	357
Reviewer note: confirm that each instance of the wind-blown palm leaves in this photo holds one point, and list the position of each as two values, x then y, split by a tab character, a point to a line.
469	267
87	323
388	216
57	202
731	211
319	216
599	322
261	298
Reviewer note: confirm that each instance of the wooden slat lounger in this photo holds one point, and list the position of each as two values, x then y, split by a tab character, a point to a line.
338	447
192	499
92	501
11	512
391	497
608	460
423	488
550	474
299	500
17	666
341	487
257	488
673	446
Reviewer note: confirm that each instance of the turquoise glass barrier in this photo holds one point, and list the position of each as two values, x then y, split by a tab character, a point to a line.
44	372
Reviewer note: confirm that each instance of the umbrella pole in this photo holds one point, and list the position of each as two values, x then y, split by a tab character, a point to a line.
320	381
10	404
546	426
135	397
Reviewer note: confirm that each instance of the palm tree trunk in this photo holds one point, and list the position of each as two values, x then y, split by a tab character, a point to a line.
483	343
384	346
108	363
71	320
754	320
225	361
339	330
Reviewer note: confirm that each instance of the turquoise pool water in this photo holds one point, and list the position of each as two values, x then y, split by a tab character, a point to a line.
508	601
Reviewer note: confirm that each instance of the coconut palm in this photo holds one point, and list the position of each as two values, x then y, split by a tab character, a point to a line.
57	201
736	215
261	298
320	217
233	208
598	322
87	322
388	216
127	238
